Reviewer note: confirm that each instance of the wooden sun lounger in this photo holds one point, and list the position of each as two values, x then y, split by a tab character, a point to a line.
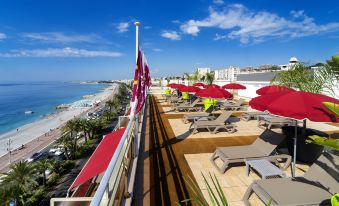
262	147
315	187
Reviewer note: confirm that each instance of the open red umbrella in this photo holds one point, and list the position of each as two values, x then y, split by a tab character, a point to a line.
175	86
272	89
191	89
298	105
234	86
212	85
213	92
199	84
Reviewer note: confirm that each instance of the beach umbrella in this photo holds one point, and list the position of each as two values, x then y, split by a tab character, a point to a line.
298	105
211	85
272	89
233	86
190	89
199	84
175	86
213	92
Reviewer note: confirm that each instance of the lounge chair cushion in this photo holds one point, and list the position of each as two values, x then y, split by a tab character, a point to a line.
297	192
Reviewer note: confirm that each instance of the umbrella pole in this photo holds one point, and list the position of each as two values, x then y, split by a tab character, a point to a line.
295	148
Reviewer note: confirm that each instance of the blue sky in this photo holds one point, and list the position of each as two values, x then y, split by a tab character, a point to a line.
91	40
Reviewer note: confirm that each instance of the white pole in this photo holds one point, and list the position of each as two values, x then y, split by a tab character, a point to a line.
137	24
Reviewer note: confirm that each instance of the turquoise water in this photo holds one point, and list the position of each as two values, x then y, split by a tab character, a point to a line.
39	97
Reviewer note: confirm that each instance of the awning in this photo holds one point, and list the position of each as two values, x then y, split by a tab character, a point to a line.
100	158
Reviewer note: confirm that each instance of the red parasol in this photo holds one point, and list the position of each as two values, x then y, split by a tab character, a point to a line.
175	86
272	89
189	89
297	105
211	85
213	92
233	86
199	84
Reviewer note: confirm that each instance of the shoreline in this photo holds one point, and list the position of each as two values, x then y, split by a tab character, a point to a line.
47	125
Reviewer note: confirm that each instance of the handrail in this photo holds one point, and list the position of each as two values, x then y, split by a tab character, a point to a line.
99	194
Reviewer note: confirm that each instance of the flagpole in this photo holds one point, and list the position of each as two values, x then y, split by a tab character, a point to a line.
137	24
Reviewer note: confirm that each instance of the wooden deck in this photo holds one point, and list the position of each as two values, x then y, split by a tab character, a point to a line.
166	160
162	165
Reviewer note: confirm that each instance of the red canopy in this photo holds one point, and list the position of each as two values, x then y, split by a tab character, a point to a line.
175	86
297	105
272	89
213	92
100	158
234	86
189	89
212	85
199	84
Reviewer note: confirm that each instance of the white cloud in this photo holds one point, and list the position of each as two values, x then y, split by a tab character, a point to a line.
172	35
218	2
249	26
297	14
60	52
123	27
157	50
2	36
219	37
60	37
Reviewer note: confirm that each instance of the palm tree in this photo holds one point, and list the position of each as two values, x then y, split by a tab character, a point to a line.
41	166
209	78
110	104
66	142
21	180
301	77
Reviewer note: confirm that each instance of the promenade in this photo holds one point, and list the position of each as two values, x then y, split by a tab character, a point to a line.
40	134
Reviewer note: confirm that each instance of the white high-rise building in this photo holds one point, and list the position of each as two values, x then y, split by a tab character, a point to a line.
229	73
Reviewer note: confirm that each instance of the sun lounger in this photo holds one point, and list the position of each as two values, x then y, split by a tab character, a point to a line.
189	107
270	121
195	116
235	106
315	187
251	115
218	123
262	147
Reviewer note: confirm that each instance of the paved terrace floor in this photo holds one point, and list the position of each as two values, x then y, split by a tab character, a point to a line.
169	154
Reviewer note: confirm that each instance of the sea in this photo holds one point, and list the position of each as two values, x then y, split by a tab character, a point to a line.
40	97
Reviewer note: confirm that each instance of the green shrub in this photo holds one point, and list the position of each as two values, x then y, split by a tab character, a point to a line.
53	180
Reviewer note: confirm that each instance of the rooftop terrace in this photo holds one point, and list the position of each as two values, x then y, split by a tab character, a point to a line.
169	153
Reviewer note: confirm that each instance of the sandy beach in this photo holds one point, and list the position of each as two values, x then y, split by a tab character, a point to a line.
39	134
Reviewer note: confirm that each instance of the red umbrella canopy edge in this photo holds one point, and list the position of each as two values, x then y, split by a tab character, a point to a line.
272	89
234	86
199	84
189	89
213	92
304	105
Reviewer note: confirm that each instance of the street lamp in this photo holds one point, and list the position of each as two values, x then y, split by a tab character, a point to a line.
9	142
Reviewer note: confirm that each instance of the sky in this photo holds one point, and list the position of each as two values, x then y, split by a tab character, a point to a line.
95	40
